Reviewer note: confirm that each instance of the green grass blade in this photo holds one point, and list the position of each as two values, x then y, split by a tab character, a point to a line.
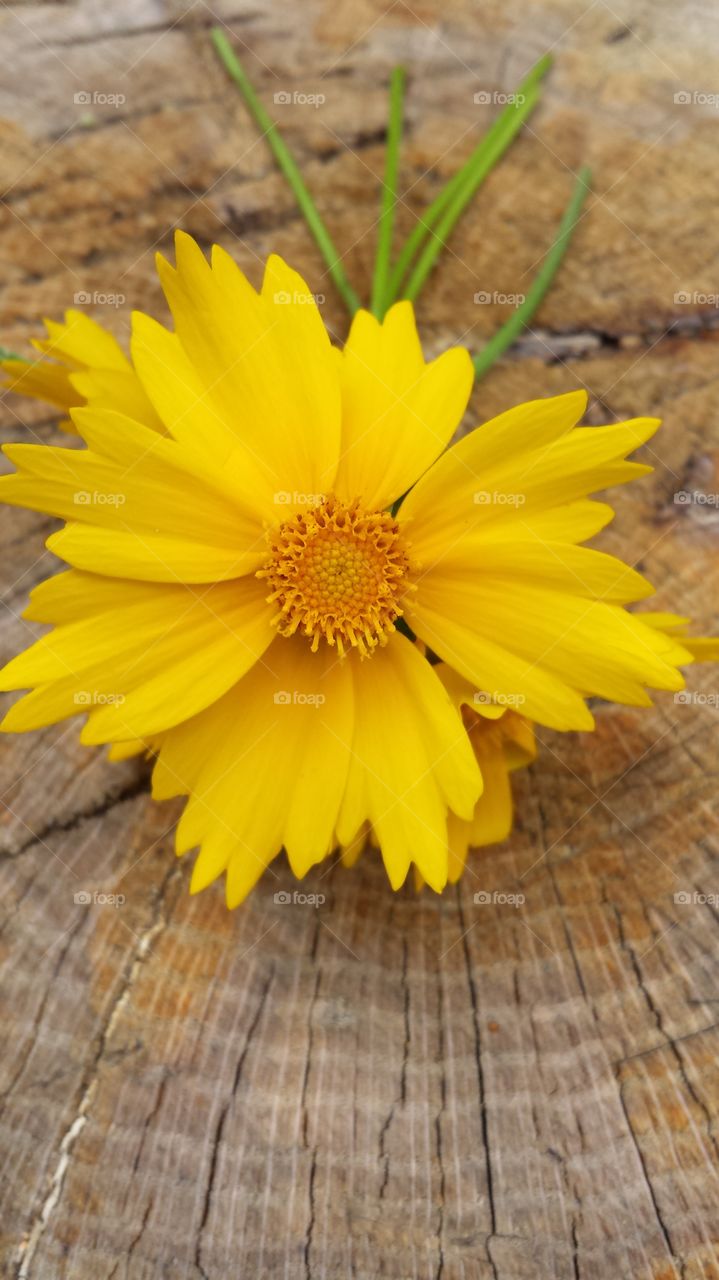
541	283
288	166
459	190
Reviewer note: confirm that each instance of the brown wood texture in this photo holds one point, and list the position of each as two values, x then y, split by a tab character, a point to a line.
387	1085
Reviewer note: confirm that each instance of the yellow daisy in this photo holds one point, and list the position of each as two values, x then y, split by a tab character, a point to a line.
248	579
502	740
84	364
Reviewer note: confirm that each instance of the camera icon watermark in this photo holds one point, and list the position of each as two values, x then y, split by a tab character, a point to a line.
285	898
695	497
287	98
687	699
487	898
497	699
287	498
283	298
295	698
696	97
92	698
487	97
695	298
83	898
86	98
484	298
83	498
97	299
487	497
695	898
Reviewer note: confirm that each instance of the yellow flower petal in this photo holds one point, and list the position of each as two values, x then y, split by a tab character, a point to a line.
410	759
398	414
142	664
265	362
472	487
513	640
275	772
85	365
128	499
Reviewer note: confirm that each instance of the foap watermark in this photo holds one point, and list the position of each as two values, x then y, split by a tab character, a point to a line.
693	898
695	298
496	898
291	498
686	699
689	497
289	298
495	98
296	698
284	898
83	298
295	98
696	98
84	498
83	898
94	98
93	698
483	298
489	497
497	699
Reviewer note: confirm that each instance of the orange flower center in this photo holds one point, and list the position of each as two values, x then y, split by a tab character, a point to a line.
338	572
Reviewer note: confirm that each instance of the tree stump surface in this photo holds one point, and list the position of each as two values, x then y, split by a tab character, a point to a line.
387	1085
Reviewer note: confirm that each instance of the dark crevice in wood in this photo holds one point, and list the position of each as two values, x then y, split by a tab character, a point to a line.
575	1251
88	1083
674	1257
484	1121
360	141
222	1120
127	791
383	1155
670	1042
311	1219
37	1020
555	346
438	1128
155	28
135	1240
150	1117
308	1062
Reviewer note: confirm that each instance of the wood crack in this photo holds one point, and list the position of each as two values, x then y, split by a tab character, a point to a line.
37	1021
438	1128
669	1042
474	1003
552	346
138	786
158	922
311	1220
222	1120
400	1100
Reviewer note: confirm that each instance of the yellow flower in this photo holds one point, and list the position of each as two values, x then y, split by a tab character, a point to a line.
246	587
86	366
502	740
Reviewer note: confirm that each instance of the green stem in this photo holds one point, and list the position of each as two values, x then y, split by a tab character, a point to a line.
389	193
541	283
459	190
9	355
288	165
421	230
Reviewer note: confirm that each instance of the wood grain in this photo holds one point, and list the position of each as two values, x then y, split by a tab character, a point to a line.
384	1085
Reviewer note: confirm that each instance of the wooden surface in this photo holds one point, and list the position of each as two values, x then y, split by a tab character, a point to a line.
384	1085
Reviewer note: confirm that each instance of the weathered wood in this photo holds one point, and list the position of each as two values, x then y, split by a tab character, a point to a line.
387	1085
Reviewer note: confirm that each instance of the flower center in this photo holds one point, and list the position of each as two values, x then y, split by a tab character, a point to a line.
338	572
